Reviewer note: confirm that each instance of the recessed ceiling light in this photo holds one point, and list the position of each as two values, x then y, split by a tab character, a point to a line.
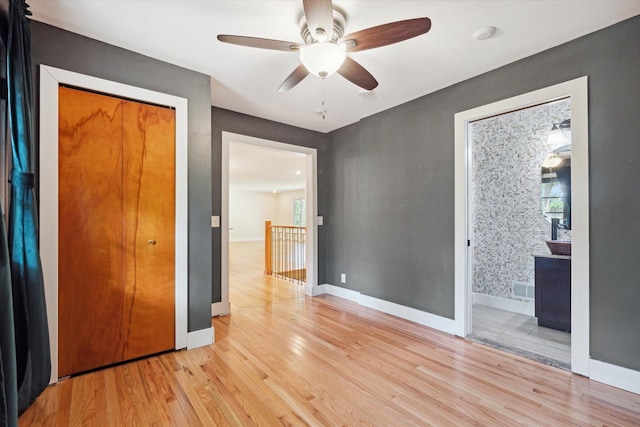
274	191
298	172
484	33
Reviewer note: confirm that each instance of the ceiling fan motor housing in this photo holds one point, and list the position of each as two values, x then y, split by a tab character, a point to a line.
339	23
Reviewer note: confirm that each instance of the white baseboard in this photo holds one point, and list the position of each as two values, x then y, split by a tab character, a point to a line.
515	306
615	376
417	316
314	290
220	309
200	338
342	292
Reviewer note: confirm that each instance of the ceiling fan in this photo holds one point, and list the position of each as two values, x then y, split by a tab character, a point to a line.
325	46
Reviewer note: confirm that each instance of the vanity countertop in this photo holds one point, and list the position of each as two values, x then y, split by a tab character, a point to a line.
552	256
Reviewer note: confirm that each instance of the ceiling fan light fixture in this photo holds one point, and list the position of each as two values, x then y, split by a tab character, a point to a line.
322	59
324	49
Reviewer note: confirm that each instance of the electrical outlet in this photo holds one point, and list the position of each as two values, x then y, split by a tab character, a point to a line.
343	278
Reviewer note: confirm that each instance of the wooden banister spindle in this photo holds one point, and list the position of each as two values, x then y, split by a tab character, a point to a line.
267	248
285	251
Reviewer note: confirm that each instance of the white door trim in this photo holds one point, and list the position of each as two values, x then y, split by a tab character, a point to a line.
50	79
577	89
223	307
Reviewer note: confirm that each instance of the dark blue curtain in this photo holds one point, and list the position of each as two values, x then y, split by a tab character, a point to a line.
8	379
29	308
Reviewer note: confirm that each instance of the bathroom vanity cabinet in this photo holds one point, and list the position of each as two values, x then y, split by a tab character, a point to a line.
553	291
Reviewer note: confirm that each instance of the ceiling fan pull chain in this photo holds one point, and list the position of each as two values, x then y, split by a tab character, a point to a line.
324	110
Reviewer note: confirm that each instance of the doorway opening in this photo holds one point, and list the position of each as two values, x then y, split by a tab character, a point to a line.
516	203
465	187
269	248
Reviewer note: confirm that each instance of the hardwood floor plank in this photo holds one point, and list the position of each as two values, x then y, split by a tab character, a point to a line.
292	360
245	395
248	285
112	396
278	364
246	371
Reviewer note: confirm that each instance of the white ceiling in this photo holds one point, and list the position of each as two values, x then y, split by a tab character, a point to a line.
183	32
253	168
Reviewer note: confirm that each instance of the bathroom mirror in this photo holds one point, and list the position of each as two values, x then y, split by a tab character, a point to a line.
556	186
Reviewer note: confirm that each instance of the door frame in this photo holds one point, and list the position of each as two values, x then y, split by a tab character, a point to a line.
224	307
50	79
577	90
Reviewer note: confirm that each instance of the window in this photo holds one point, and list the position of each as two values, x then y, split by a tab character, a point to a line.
552	198
556	194
299	212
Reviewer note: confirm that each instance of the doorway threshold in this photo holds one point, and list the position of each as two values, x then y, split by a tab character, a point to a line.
522	353
520	334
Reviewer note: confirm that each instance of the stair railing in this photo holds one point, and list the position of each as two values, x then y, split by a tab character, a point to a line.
284	251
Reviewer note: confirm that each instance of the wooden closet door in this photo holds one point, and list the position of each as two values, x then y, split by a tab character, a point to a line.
116	192
90	227
149	223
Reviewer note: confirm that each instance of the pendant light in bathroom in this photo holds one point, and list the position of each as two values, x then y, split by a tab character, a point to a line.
556	136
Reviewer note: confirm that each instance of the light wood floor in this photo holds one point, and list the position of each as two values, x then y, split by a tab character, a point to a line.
325	361
248	285
521	334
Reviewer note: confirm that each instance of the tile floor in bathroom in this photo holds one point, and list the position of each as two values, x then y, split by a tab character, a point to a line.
520	334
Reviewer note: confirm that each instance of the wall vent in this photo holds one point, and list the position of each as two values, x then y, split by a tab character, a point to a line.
523	290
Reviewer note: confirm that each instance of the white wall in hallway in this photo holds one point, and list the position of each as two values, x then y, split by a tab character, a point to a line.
285	206
248	210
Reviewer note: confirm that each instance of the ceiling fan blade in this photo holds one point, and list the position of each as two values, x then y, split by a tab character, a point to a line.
387	34
357	74
260	43
319	15
294	78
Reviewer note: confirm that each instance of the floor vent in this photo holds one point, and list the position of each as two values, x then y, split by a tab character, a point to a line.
523	290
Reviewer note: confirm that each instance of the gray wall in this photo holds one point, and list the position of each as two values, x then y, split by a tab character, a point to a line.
4	20
389	192
389	215
62	49
386	183
229	121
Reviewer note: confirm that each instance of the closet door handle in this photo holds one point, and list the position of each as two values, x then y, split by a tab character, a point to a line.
152	242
